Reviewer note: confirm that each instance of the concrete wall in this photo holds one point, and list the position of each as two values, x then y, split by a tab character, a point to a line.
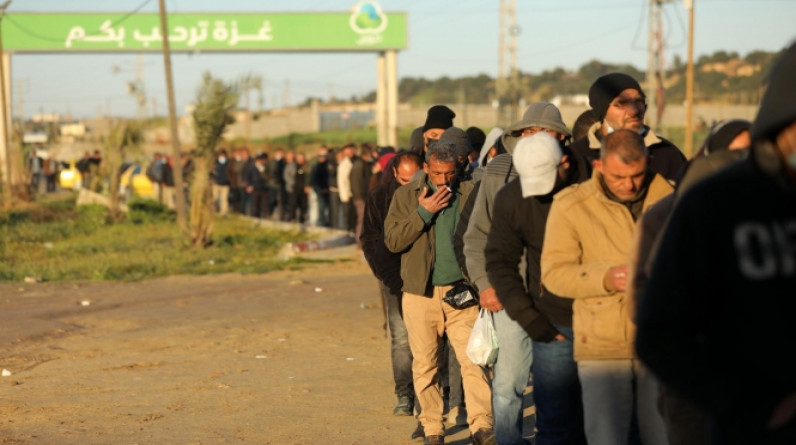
307	120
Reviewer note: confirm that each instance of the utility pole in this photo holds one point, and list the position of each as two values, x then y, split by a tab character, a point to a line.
286	94
507	83
22	86
689	83
175	136
7	187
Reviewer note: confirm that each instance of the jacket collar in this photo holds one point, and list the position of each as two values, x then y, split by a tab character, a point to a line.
650	138
658	188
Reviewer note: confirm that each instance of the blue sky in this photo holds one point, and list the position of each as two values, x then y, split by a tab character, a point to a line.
446	38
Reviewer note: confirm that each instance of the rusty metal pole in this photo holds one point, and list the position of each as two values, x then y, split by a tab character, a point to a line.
175	137
689	83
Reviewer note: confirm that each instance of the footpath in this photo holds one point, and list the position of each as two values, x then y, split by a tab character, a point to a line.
286	357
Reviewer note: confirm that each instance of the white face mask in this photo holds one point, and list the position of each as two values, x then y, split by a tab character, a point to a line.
222	160
260	167
609	129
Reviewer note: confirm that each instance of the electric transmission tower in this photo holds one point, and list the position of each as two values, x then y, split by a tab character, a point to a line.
656	69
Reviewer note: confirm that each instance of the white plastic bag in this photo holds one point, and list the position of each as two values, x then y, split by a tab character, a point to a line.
482	348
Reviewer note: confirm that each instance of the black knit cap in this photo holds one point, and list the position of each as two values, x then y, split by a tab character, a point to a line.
606	88
777	109
439	116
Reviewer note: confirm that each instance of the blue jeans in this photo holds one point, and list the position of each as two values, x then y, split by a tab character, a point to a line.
557	393
615	390
512	369
324	209
399	344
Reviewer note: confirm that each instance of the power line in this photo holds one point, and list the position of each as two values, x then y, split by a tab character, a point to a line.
60	39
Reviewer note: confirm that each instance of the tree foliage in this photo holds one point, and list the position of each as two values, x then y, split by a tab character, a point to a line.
727	85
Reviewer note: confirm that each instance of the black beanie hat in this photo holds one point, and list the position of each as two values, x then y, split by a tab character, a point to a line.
439	116
606	88
723	133
777	109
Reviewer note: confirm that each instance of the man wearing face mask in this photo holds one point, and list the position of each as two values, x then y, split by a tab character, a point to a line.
715	319
220	186
618	102
257	186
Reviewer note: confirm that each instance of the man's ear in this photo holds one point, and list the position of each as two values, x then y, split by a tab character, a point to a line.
597	164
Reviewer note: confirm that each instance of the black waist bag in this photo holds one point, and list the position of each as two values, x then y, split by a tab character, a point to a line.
462	295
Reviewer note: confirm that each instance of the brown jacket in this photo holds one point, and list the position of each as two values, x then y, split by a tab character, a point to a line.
586	235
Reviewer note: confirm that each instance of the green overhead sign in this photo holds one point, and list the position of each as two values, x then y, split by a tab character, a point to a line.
365	28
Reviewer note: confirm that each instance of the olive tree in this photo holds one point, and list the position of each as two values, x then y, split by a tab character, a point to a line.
215	99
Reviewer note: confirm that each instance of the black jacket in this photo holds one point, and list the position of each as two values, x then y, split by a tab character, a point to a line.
386	266
254	178
319	177
716	315
518	226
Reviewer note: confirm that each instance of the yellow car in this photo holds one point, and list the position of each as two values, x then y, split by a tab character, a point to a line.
134	182
70	177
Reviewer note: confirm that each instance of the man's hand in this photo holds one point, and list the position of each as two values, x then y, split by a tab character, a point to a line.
489	300
616	279
436	202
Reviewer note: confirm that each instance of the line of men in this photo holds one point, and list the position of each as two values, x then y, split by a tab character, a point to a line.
563	241
289	187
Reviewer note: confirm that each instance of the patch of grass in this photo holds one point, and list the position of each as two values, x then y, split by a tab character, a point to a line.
56	241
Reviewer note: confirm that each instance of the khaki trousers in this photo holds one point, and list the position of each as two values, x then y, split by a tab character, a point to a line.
221	198
427	319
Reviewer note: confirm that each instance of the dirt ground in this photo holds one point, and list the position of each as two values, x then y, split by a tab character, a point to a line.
289	357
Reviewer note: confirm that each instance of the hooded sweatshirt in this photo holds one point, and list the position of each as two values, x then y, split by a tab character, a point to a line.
715	321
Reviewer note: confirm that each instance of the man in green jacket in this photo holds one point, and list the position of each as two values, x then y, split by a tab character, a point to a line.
421	224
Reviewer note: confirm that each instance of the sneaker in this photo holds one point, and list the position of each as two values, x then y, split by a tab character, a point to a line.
418	433
434	440
484	436
404	407
457	416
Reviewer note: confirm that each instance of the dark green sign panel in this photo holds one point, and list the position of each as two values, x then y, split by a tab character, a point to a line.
365	28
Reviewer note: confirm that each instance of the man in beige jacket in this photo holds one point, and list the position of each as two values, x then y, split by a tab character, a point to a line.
585	255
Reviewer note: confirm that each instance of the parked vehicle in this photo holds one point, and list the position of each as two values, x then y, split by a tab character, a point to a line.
70	178
134	182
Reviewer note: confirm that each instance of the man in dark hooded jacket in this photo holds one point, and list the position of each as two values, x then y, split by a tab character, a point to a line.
386	266
715	321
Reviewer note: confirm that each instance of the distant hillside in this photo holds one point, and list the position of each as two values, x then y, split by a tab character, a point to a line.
720	78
